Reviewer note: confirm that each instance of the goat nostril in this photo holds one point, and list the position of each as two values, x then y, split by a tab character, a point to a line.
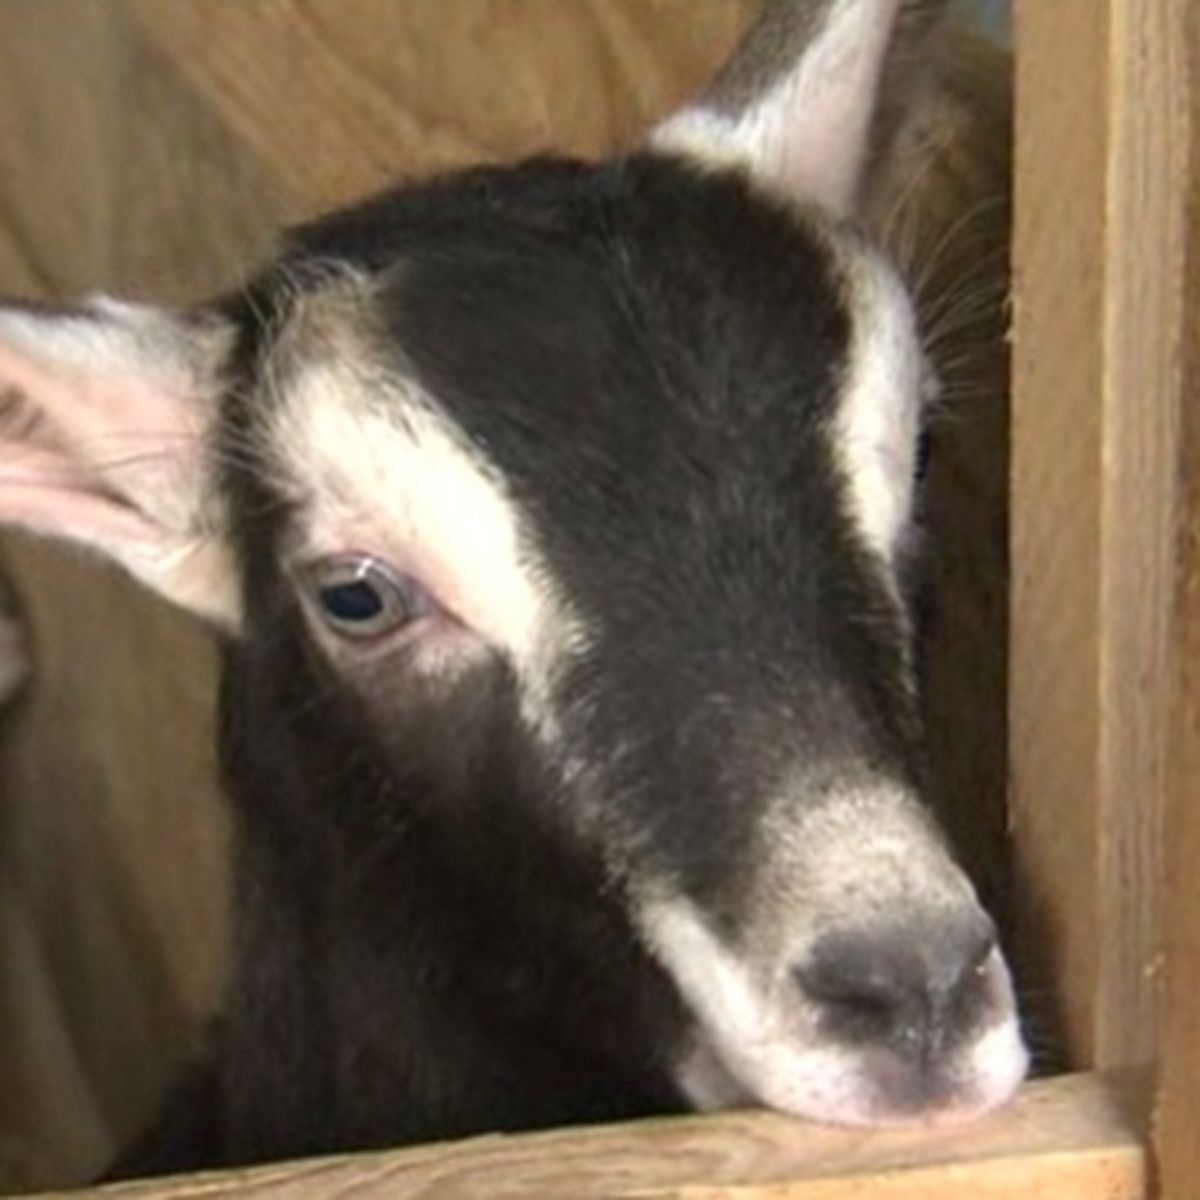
861	996
908	987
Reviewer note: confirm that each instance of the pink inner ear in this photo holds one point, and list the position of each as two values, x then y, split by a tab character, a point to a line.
824	112
101	421
117	430
42	484
115	398
805	134
46	492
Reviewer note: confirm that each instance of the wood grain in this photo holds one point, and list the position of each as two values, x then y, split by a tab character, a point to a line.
1099	238
426	86
1060	1141
1177	1126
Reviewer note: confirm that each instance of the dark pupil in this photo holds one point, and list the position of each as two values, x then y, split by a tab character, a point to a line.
352	601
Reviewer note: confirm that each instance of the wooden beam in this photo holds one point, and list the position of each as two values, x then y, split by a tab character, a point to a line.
1065	1139
1177	1125
1097	386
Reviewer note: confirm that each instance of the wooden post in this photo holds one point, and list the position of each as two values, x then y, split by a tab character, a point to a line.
1098	385
1177	1125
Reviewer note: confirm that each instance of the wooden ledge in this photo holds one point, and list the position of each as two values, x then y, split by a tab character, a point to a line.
1062	1138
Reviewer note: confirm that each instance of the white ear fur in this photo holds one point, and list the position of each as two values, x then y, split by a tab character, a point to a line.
796	103
104	412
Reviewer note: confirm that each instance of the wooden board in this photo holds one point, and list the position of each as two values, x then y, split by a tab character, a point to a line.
1177	1122
1097	386
1065	1140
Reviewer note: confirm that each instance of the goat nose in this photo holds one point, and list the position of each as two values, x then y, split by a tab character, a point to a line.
908	987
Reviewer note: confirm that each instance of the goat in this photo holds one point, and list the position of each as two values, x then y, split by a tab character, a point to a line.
555	520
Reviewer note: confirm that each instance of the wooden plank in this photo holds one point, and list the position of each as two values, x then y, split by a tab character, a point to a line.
1060	1140
1143	395
1099	236
1177	1125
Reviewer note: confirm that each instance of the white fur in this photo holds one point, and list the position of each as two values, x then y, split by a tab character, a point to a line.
705	1082
759	1031
879	405
863	846
807	134
999	1059
383	471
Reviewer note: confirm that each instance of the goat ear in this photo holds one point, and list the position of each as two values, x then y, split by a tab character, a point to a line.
105	412
797	102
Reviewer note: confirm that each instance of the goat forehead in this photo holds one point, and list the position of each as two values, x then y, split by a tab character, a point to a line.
630	320
680	356
661	381
688	392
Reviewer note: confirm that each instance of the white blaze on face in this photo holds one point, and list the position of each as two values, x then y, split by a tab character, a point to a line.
380	469
860	849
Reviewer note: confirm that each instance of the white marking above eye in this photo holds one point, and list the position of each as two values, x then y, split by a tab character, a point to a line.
394	479
378	468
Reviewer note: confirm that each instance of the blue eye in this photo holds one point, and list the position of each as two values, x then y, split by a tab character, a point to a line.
360	597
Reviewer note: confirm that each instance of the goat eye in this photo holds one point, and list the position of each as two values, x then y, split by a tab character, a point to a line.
360	597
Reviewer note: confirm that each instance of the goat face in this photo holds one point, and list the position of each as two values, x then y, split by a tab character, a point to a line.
572	500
